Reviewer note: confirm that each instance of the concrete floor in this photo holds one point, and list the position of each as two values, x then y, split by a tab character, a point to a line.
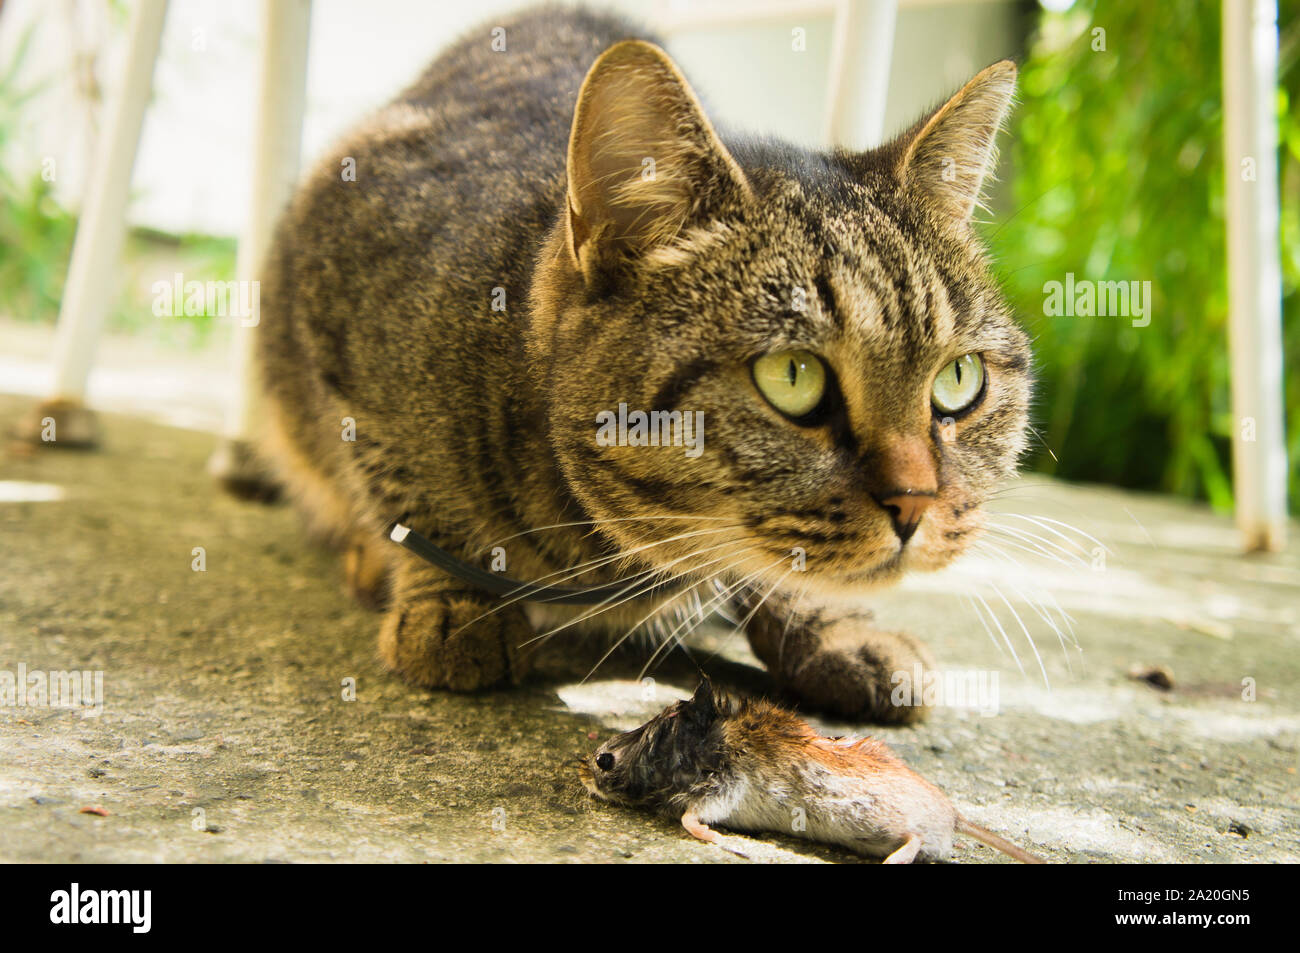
224	735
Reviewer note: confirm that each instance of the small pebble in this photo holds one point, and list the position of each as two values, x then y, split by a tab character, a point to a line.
1157	676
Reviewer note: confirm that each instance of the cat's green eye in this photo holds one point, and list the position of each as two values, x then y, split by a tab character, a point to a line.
793	382
958	385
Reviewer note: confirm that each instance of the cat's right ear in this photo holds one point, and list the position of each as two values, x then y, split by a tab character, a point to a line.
946	158
644	162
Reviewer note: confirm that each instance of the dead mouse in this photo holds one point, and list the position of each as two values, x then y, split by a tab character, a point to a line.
750	765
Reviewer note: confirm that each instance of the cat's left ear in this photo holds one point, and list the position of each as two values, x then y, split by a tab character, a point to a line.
946	157
644	162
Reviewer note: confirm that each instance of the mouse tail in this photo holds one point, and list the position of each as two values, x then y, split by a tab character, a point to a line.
997	843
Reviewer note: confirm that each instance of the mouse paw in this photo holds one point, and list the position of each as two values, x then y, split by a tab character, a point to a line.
701	831
905	854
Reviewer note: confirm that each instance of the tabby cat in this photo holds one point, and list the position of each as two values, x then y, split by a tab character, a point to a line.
546	226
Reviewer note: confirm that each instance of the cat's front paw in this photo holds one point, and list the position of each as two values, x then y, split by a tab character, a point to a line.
453	642
864	675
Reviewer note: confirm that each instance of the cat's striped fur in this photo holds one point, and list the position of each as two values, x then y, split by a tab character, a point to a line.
477	426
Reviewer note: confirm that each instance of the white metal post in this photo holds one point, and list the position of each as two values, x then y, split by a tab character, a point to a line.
283	92
1250	49
88	290
862	49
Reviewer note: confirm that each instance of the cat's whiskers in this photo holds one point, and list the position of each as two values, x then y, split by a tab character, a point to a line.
790	618
607	604
1036	433
1037	604
1065	616
1028	205
1047	544
727	595
595	524
1035	545
1039	545
724	610
718	599
1017	490
656	615
624	558
1048	524
969	598
574	571
1005	638
1025	629
740	625
1017	495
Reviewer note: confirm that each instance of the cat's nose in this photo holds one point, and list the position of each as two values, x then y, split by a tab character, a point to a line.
905	509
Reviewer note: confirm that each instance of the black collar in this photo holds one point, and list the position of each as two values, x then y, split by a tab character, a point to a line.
499	585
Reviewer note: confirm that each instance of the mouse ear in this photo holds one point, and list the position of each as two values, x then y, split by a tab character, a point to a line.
702	707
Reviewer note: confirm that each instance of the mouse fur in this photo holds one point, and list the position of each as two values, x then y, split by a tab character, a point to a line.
751	765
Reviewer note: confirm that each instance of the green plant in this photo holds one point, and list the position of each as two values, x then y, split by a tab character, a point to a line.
1117	174
36	236
35	233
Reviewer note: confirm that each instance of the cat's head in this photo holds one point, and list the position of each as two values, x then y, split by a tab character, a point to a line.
862	384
